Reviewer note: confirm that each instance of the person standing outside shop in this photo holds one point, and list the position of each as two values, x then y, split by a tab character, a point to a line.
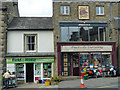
6	78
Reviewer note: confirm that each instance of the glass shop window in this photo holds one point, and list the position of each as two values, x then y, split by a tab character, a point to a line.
84	33
93	33
47	70
84	59
37	69
102	33
96	59
64	34
106	59
73	34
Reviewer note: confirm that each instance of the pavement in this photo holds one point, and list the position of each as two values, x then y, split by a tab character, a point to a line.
34	85
102	82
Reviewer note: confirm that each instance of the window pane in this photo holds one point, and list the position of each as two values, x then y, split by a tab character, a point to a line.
97	10
96	59
62	9
94	34
106	59
73	33
84	33
67	9
102	33
64	33
27	47
32	39
84	60
27	39
102	10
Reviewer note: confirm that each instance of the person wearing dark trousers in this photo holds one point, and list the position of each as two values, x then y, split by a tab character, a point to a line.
6	78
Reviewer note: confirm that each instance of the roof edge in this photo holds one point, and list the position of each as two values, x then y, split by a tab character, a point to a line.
85	1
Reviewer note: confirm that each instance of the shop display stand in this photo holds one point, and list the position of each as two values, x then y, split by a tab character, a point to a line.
20	71
47	71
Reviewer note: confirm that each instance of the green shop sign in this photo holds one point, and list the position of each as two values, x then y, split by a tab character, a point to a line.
30	60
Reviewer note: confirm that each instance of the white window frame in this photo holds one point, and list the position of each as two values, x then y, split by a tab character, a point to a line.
63	10
35	42
99	10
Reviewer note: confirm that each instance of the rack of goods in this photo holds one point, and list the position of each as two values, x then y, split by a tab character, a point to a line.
47	70
20	71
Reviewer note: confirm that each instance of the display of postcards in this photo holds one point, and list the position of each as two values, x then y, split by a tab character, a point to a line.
45	66
45	73
19	69
37	72
49	69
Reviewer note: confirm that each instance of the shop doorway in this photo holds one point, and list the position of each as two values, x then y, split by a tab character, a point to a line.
29	72
75	64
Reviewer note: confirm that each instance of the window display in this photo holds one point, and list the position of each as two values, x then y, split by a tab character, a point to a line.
20	71
47	70
37	69
84	60
106	59
96	59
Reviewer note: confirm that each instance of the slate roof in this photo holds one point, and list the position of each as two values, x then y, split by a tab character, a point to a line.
86	0
30	23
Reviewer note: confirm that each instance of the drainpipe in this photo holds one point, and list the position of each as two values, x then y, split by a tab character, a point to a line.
111	20
117	20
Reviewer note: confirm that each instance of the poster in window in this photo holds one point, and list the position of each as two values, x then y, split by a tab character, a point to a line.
83	12
38	69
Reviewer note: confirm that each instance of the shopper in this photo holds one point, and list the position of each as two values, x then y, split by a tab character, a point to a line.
14	80
6	78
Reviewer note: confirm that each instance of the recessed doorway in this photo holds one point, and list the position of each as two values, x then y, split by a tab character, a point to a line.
29	72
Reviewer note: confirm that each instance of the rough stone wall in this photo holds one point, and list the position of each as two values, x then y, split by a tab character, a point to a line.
8	10
74	17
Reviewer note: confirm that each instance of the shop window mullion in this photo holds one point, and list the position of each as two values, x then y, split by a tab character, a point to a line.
106	34
79	64
90	58
88	34
98	33
101	58
68	34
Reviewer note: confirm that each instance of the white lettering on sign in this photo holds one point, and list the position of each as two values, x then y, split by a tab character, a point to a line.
84	24
86	48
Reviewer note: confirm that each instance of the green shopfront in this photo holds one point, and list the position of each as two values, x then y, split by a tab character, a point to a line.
31	69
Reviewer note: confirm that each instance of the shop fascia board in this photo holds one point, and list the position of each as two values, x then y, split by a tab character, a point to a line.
87	42
29	55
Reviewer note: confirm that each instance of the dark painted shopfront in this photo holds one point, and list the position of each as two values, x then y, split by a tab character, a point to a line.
84	42
73	55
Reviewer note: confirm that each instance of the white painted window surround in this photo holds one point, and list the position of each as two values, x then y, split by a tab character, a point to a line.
99	10
65	10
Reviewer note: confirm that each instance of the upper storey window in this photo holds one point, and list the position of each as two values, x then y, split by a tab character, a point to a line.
99	10
65	10
83	33
30	43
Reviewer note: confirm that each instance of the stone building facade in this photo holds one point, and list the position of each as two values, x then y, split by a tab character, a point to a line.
8	10
111	10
